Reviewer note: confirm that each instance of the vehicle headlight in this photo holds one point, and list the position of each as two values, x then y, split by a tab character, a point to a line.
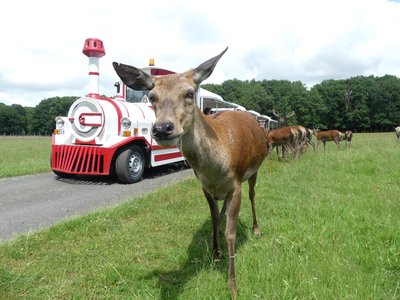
126	123
59	123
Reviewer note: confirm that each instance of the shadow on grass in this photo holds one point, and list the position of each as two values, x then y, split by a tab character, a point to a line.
199	257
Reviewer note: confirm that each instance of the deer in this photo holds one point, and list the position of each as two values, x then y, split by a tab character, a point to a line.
308	139
281	122
397	130
348	137
328	136
223	149
283	136
282	118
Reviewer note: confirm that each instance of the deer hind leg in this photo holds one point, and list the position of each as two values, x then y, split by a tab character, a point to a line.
215	219
252	182
337	143
232	213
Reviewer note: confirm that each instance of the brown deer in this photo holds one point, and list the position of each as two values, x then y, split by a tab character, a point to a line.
292	137
281	122
287	137
224	149
328	136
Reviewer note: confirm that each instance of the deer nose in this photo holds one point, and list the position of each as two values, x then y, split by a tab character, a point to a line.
162	130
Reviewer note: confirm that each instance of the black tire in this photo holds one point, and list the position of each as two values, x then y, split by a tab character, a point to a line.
129	165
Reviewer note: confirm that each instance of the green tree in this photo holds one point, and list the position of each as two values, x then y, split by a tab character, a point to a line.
43	117
12	119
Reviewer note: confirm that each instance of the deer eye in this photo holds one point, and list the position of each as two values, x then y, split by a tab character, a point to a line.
152	98
190	94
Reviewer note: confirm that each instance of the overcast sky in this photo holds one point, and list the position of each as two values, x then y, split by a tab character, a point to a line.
306	40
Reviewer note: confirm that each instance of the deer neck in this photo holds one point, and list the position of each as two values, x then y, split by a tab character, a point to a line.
199	142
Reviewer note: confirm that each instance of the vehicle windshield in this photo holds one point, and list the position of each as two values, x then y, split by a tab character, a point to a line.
136	96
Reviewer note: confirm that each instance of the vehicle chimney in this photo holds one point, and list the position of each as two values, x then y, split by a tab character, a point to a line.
94	49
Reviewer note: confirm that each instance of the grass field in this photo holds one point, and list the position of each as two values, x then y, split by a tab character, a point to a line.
330	230
22	155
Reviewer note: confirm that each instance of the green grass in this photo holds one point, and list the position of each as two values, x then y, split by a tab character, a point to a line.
22	155
329	222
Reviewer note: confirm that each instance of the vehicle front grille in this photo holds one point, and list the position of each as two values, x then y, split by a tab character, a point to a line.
80	159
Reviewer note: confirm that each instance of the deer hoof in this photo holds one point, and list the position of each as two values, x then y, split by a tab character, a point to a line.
256	231
234	290
217	255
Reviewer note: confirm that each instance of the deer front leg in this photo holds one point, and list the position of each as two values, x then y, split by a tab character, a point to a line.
232	213
215	219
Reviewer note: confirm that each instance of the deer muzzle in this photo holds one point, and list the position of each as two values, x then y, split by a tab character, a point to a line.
163	133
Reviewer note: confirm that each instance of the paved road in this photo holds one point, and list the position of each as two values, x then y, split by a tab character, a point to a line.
29	203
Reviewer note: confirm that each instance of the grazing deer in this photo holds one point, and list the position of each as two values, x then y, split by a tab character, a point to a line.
287	136
224	149
348	137
397	130
328	136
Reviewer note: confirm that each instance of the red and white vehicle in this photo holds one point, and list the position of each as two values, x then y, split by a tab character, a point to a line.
101	135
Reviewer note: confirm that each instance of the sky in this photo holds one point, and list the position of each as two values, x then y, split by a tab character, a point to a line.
41	41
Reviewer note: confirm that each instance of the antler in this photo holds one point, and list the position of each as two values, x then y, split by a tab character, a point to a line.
288	115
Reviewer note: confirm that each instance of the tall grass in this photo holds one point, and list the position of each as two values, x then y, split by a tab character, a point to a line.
22	155
330	230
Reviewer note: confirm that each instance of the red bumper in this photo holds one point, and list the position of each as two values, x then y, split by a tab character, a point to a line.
81	159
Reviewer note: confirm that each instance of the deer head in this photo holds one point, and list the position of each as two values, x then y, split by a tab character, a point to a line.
282	119
174	107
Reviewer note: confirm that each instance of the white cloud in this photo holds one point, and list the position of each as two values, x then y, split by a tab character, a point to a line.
310	41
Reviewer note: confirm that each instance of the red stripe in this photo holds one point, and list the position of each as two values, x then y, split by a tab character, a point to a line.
156	147
94	73
92	95
117	109
167	156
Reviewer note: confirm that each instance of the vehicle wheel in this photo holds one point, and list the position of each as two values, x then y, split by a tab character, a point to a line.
129	165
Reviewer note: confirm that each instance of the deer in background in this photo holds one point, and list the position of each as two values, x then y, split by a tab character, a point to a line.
308	138
287	136
348	137
397	130
281	122
224	149
328	136
282	118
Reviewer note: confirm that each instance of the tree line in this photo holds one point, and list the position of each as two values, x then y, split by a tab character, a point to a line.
361	104
39	120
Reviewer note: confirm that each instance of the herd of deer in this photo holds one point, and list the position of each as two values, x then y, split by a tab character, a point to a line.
223	149
298	138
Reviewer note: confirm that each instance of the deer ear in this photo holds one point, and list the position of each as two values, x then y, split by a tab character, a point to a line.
134	77
203	71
